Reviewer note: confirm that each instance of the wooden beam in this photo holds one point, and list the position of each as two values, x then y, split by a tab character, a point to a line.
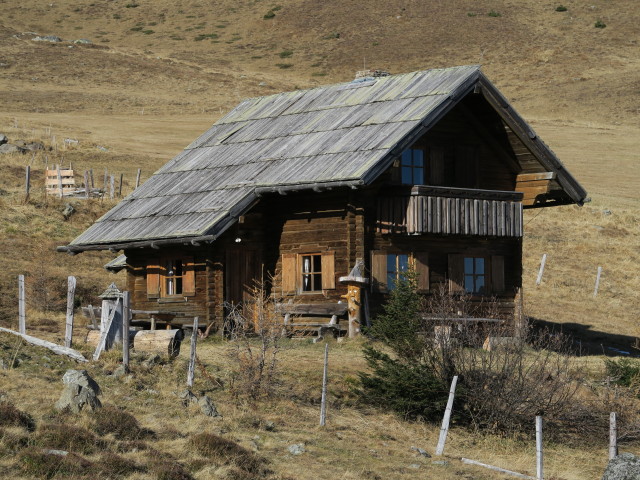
71	292
55	348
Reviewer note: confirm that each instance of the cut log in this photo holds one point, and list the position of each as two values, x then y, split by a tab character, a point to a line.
93	337
162	342
55	348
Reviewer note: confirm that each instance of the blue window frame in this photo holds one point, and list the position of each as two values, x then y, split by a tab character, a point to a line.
475	275
412	167
397	264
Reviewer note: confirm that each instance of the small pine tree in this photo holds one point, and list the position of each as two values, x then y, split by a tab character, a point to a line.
405	384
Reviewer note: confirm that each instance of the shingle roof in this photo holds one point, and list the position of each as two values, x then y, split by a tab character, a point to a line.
344	134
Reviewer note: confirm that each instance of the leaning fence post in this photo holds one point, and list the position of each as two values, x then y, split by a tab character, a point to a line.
86	184
539	461
126	320
71	293
138	177
447	417
192	357
323	402
541	271
112	187
595	290
613	436
22	307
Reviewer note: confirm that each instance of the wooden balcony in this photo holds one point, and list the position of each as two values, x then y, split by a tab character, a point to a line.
451	211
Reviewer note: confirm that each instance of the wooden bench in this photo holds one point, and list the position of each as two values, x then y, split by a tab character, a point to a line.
333	311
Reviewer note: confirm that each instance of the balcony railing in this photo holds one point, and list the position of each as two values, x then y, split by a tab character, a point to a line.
451	211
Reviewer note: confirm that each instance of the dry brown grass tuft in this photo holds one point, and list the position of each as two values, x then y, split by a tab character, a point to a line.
222	451
67	437
114	421
11	416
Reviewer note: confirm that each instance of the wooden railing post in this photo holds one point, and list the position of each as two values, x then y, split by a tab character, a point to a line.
444	430
539	456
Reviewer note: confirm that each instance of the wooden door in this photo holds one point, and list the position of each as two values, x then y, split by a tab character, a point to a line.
242	270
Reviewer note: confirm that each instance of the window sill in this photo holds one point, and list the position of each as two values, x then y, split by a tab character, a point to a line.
176	299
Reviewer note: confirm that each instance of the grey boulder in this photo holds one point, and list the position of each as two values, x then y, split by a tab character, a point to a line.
80	391
625	466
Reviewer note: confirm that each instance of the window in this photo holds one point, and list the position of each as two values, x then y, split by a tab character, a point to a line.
388	267
308	272
412	167
311	266
172	276
397	264
474	275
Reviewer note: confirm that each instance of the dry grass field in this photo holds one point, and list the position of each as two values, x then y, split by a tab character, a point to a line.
158	73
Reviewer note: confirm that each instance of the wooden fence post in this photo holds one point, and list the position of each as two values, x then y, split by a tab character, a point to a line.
192	356
323	402
539	460
91	177
138	177
71	293
22	306
541	271
613	436
27	185
106	179
595	290
447	417
112	187
126	321
86	184
120	187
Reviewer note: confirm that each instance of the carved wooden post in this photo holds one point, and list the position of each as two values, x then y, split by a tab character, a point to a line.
71	293
355	281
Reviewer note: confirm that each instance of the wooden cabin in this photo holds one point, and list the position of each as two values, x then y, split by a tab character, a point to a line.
430	169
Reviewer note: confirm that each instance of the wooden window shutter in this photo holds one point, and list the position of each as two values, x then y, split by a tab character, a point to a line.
422	269
456	273
328	270
153	279
436	166
497	274
189	277
289	272
379	270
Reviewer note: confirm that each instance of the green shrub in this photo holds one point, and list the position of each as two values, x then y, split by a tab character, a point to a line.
285	53
600	24
204	36
284	65
472	14
137	29
493	13
331	36
132	5
411	390
148	32
625	371
561	8
269	15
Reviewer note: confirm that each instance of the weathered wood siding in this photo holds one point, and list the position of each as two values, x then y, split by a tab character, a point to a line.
188	306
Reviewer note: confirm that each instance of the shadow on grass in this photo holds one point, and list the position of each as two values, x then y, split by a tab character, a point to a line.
591	342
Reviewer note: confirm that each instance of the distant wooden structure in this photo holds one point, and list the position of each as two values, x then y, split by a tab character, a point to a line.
429	170
60	182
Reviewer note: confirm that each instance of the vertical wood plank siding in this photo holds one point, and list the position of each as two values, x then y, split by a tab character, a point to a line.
419	214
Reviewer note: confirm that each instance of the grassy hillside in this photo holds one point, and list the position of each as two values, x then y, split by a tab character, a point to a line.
158	73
